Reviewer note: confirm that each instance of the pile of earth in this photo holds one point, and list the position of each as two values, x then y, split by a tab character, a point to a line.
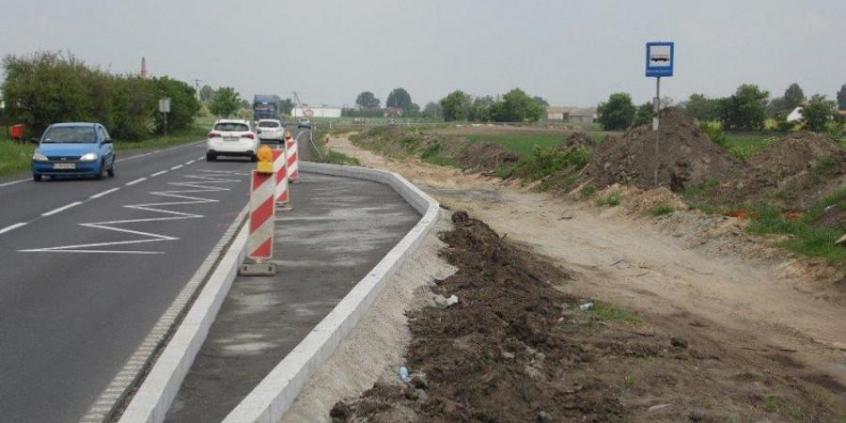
793	173
515	348
575	140
486	157
686	156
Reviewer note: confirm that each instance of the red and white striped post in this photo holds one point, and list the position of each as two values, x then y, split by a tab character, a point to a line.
293	159
282	194
262	216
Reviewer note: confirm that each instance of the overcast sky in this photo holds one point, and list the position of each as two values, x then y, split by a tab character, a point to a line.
570	52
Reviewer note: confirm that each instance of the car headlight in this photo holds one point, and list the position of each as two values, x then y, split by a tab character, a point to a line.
38	157
88	157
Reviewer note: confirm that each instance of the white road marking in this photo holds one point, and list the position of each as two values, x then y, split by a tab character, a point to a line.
189	162
12	227
200	184
129	184
162	172
61	209
176	167
6	184
201	157
104	193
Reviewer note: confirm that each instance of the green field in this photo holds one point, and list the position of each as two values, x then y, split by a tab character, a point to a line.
744	145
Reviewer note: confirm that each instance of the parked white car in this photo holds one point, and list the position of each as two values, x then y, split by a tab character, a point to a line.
232	137
271	130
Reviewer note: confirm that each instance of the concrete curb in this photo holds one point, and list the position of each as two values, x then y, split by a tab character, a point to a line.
155	395
277	391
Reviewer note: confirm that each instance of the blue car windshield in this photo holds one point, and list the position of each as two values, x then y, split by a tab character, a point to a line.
70	135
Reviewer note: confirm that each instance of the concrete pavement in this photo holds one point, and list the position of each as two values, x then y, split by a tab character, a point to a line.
339	229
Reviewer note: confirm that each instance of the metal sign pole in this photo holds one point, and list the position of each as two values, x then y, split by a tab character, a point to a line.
657	125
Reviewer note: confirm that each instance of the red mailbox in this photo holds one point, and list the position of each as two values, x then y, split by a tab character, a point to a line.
17	131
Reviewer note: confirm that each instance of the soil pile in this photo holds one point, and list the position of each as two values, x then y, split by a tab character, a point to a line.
794	173
486	157
516	349
576	140
687	157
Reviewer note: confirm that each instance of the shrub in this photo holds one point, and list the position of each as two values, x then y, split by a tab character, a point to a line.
661	209
611	200
715	132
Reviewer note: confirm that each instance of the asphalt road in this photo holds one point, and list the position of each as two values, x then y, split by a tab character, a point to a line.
87	268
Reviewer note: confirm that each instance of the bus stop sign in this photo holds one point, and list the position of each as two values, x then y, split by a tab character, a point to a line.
659	58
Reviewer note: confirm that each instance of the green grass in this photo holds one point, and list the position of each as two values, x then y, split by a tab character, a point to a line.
609	313
611	200
805	238
744	145
16	158
587	191
780	406
661	209
335	157
435	154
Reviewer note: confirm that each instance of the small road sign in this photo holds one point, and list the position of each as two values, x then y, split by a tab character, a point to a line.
164	105
659	58
308	113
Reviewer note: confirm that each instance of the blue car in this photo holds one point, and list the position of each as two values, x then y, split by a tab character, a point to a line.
74	149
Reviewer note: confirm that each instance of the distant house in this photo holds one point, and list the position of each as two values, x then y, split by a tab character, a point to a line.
392	112
584	115
795	115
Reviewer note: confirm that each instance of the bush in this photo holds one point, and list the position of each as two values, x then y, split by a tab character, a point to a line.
611	200
45	88
714	131
617	113
547	161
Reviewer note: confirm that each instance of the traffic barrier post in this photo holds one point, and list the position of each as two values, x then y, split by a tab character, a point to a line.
282	194
293	160
262	217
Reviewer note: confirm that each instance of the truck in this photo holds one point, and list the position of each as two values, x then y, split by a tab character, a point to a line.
265	107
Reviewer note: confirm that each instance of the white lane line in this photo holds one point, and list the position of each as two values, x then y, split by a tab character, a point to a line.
131	183
176	167
159	173
61	209
6	184
12	227
201	157
104	193
189	162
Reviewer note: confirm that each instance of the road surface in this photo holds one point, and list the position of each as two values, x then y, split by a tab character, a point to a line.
88	267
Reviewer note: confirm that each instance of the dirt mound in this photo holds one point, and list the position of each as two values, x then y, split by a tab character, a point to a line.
486	157
687	157
515	348
793	173
576	140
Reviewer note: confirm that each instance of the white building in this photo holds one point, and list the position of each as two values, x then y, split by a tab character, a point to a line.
317	112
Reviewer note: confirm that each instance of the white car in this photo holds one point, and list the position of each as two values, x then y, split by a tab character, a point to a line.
271	130
232	137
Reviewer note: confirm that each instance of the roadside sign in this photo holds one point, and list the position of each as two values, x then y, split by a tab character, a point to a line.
659	58
164	105
308	113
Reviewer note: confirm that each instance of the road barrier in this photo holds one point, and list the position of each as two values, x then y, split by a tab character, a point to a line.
293	160
262	211
282	194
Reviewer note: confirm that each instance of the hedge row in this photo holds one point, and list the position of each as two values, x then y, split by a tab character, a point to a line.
44	88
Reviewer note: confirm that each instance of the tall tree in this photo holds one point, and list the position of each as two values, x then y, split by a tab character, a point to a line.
367	100
617	113
746	109
399	98
542	101
793	96
456	106
841	98
516	106
433	110
702	108
226	102
206	93
818	112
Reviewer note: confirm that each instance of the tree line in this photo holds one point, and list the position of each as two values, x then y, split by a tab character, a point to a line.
48	87
514	106
747	109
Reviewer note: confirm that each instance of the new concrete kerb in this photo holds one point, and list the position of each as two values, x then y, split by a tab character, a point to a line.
278	390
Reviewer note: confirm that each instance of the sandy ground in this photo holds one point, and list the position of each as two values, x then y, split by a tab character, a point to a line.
645	264
374	347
